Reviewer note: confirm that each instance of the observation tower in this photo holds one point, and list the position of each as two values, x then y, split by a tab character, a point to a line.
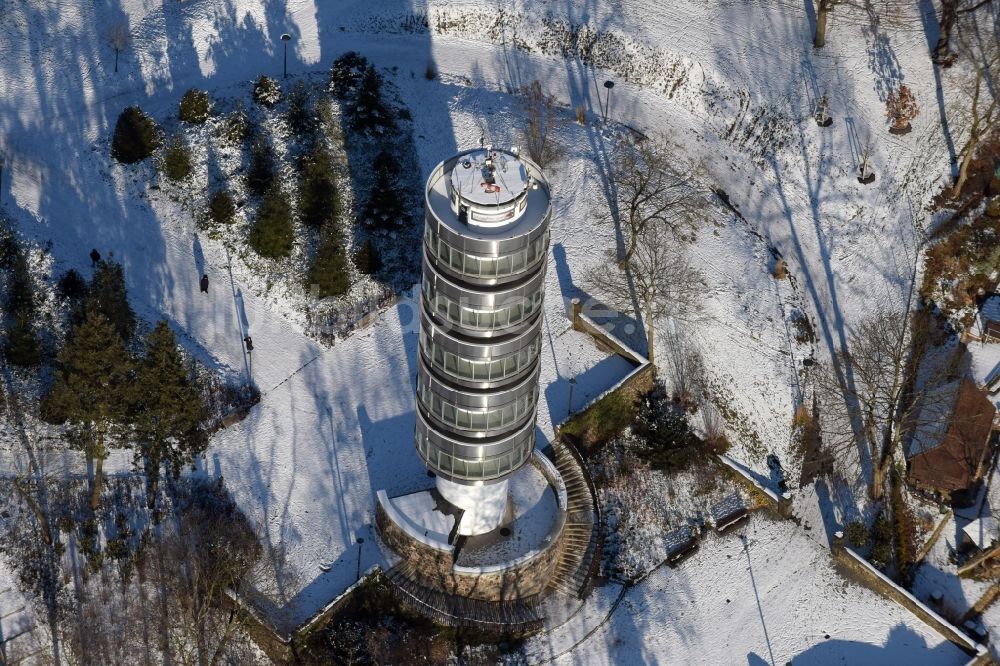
486	238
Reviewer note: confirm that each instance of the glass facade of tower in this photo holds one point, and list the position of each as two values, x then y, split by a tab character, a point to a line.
485	246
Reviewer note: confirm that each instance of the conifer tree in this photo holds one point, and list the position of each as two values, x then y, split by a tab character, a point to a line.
72	286
319	201
301	115
260	176
136	136
272	233
370	113
346	73
221	207
177	160
109	298
22	347
168	410
194	106
329	270
90	392
367	259
385	208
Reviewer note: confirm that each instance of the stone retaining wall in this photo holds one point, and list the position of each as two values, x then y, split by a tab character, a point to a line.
876	580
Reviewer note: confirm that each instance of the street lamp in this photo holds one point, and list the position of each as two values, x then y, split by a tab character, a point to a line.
608	85
1	176
284	38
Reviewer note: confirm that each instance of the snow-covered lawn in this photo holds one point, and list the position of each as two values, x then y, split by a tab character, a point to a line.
777	599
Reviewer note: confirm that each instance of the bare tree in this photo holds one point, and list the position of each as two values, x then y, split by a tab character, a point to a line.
119	38
660	280
823	9
950	11
653	190
872	399
543	119
177	607
685	366
977	108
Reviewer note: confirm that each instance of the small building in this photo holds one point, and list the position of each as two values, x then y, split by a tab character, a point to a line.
986	328
950	444
982	533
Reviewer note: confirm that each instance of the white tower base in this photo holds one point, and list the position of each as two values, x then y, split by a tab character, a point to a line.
484	506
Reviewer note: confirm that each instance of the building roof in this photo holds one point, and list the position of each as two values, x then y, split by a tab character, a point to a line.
988	318
953	437
985	364
983	531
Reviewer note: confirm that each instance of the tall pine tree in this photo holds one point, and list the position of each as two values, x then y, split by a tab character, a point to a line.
90	392
272	234
107	297
168	411
319	201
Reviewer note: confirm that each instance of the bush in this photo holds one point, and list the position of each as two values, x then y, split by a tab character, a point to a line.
194	106
367	259
780	269
346	73
272	233
856	534
662	428
266	91
236	127
581	115
260	175
221	208
301	117
72	286
177	160
319	201
881	538
993	209
136	136
22	347
329	269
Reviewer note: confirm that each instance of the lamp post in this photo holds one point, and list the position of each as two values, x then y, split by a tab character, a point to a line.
569	408
284	38
1	176
608	85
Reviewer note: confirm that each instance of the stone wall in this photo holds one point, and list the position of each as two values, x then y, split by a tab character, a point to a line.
881	584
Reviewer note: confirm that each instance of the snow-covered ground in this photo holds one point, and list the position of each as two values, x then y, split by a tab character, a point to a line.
23	639
775	599
335	425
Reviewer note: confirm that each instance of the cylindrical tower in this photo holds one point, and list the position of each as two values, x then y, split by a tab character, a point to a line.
486	241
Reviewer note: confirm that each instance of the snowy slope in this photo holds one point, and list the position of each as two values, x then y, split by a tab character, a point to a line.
775	600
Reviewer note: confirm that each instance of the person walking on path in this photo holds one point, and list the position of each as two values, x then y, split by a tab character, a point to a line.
204	283
95	257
